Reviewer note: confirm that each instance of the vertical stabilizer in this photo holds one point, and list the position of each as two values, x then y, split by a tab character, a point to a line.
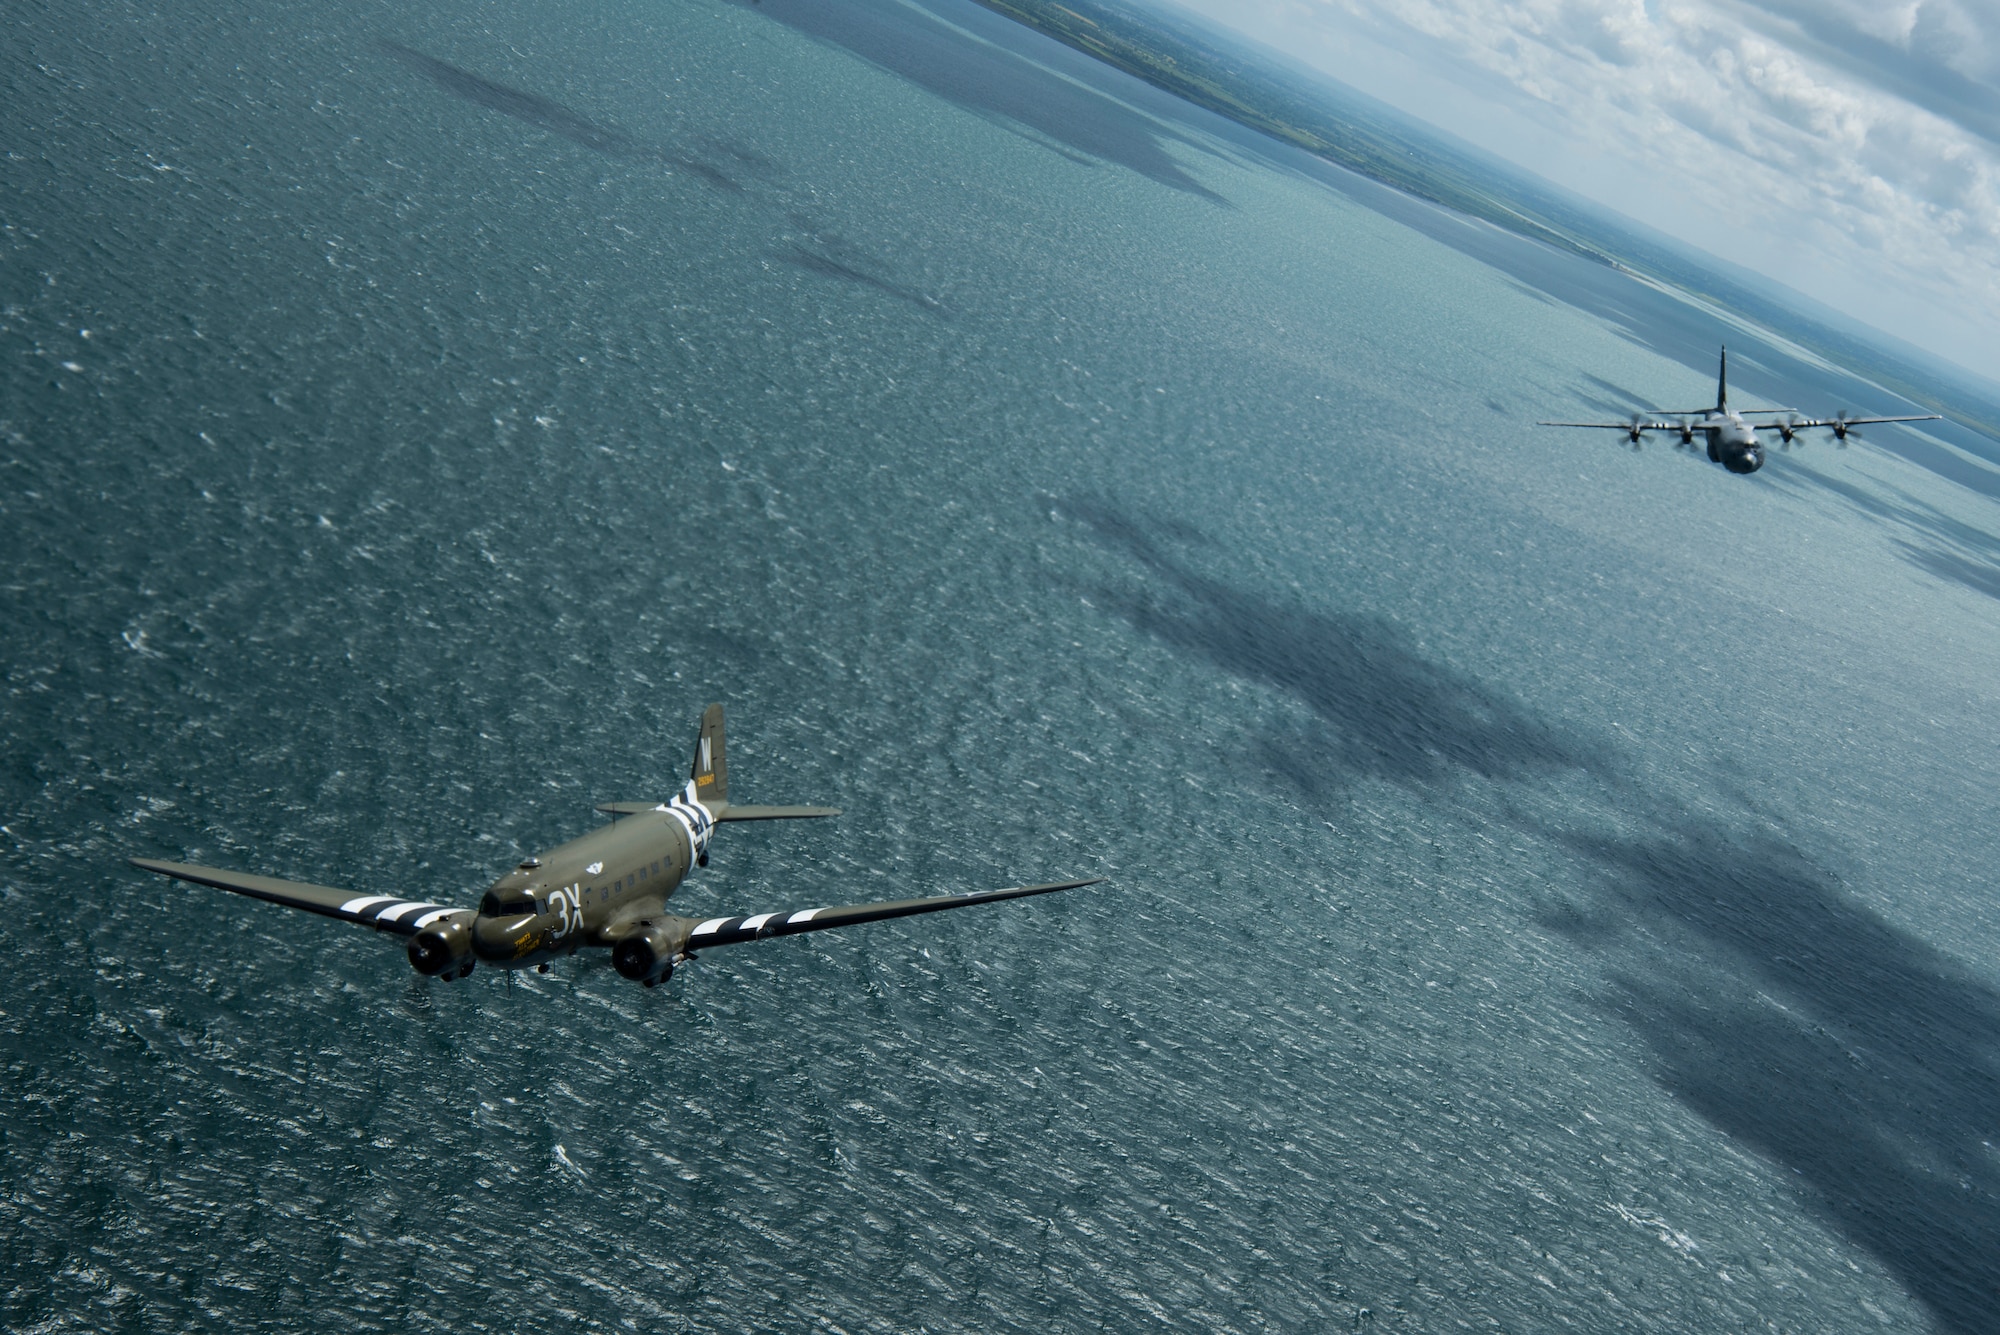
1721	389
711	766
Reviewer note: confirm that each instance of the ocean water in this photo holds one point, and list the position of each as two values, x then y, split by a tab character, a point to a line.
1549	887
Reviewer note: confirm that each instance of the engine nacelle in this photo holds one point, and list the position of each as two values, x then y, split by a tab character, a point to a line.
445	947
645	955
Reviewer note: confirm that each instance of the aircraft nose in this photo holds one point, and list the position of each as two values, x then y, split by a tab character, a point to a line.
496	940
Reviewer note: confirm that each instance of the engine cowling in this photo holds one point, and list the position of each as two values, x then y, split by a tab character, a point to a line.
645	955
442	948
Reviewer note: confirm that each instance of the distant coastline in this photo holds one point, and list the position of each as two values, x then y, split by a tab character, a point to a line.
1377	142
1175	60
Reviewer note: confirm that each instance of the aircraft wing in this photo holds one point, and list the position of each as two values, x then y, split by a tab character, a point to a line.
1642	423
386	913
1804	422
729	931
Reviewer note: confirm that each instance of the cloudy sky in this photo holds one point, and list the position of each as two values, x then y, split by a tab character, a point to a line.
1847	148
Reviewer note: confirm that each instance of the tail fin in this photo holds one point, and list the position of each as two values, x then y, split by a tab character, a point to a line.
711	765
1722	385
709	778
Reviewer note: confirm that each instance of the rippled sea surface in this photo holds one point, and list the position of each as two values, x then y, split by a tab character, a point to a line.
1550	887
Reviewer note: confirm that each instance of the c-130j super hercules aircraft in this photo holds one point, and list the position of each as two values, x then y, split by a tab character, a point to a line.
1732	442
607	889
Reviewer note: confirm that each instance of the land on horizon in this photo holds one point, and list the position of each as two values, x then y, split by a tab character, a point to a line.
1311	111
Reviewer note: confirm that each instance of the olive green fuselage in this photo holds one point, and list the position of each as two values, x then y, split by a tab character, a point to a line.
592	890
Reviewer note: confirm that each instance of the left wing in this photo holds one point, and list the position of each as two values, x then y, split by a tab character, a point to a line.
1844	422
1634	424
386	913
729	931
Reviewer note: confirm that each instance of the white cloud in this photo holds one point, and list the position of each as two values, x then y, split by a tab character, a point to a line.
1845	147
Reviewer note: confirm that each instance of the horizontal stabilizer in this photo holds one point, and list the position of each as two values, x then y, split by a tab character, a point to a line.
733	812
728	931
724	812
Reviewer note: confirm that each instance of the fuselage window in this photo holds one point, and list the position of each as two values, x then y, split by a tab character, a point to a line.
656	869
617	886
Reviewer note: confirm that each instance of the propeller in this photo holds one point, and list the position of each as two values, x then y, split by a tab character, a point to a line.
1635	429
1787	428
1841	430
1686	431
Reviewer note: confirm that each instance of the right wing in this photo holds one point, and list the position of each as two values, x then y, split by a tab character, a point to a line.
729	931
386	913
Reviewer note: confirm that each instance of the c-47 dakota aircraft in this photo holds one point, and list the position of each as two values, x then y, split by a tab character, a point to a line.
1732	442
607	889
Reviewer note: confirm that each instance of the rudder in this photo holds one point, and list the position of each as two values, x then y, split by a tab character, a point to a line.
710	771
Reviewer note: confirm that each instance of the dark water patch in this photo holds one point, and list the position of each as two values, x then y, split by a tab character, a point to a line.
706	172
746	161
829	255
561	121
1614	397
1979	576
994	82
828	267
1945	463
1811	1029
1930	539
522	105
1380	708
1870	503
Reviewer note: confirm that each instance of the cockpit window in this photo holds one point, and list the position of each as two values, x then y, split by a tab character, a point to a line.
493	907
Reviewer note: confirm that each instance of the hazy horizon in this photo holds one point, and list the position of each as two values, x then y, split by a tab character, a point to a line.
1848	154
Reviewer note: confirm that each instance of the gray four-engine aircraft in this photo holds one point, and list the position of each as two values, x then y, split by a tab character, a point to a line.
1732	441
608	889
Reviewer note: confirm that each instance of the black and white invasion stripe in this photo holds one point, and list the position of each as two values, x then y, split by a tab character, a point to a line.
696	819
390	914
728	931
